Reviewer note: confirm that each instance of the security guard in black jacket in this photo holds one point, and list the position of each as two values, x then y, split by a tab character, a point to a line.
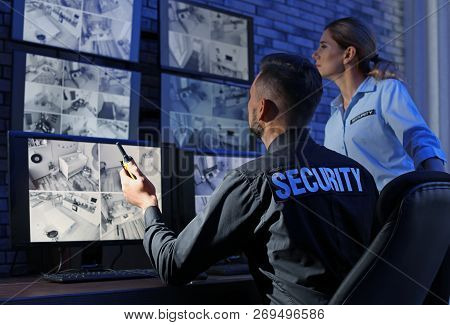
303	214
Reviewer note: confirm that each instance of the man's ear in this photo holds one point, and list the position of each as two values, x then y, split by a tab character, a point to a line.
268	110
349	54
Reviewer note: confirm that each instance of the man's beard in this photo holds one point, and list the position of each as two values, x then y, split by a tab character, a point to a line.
255	127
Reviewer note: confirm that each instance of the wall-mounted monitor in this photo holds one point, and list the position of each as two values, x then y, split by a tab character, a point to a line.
209	171
72	98
68	190
204	115
205	40
107	28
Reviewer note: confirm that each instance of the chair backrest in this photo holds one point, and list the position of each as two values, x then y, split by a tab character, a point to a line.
404	258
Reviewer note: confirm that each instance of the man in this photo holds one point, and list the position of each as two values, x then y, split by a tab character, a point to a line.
302	214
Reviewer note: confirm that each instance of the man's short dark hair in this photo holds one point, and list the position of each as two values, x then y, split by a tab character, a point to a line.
295	80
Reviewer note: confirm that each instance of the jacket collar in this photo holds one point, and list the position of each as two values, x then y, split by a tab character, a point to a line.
368	85
295	135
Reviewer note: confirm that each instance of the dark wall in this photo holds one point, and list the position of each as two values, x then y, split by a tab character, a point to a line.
291	26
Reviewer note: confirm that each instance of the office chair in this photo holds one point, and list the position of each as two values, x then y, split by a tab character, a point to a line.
404	259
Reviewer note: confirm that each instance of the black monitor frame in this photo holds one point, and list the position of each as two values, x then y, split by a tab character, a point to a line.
18	28
19	188
164	46
18	94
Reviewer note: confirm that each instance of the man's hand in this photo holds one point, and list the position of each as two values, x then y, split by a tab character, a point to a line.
140	192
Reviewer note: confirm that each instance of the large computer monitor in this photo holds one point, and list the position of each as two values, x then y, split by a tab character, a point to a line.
107	28
206	40
72	98
204	115
67	190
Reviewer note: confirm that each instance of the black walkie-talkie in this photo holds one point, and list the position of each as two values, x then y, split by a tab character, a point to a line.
126	160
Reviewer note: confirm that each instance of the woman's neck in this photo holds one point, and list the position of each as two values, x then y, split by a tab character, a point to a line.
347	83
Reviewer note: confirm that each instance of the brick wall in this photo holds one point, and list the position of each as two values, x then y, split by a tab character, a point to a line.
291	26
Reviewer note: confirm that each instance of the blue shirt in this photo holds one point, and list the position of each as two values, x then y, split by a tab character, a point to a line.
381	129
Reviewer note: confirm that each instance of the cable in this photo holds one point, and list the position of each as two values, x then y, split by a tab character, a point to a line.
116	258
11	269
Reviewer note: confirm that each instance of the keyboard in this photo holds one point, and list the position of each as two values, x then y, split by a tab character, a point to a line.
104	275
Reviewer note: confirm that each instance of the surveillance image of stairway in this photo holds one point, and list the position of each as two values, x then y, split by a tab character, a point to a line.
118	9
148	160
119	219
64	216
42	98
64	166
113	107
78	125
50	24
188	52
42	122
81	76
106	36
44	70
80	102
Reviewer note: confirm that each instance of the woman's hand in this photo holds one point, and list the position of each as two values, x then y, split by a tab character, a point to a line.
139	192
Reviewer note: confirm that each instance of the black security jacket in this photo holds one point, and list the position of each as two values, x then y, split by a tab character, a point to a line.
301	235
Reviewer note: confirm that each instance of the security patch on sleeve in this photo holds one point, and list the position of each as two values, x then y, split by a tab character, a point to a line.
360	116
297	182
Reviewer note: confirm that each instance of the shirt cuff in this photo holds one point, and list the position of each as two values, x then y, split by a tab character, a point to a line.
426	153
152	215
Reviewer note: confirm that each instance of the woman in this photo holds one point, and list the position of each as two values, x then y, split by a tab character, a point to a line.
373	120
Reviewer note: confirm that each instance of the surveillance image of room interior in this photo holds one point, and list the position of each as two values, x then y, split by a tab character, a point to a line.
64	166
50	24
121	220
64	216
148	160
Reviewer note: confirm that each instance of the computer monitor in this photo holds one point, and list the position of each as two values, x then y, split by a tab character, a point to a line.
72	98
206	40
67	190
107	28
204	115
209	172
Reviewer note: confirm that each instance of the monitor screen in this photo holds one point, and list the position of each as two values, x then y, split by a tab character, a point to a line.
205	115
107	28
209	172
70	190
72	98
205	40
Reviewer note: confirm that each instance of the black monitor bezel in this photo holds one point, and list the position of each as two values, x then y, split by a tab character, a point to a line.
19	189
164	49
18	99
18	25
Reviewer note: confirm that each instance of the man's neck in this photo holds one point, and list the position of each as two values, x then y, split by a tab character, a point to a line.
271	133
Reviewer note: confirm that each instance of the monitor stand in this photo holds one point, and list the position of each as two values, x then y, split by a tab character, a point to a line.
91	257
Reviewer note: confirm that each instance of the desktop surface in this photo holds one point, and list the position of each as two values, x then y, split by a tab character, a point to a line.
236	289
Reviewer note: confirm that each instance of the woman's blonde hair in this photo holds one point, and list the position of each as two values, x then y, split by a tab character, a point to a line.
351	32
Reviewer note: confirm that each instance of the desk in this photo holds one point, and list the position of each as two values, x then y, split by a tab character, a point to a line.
31	290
